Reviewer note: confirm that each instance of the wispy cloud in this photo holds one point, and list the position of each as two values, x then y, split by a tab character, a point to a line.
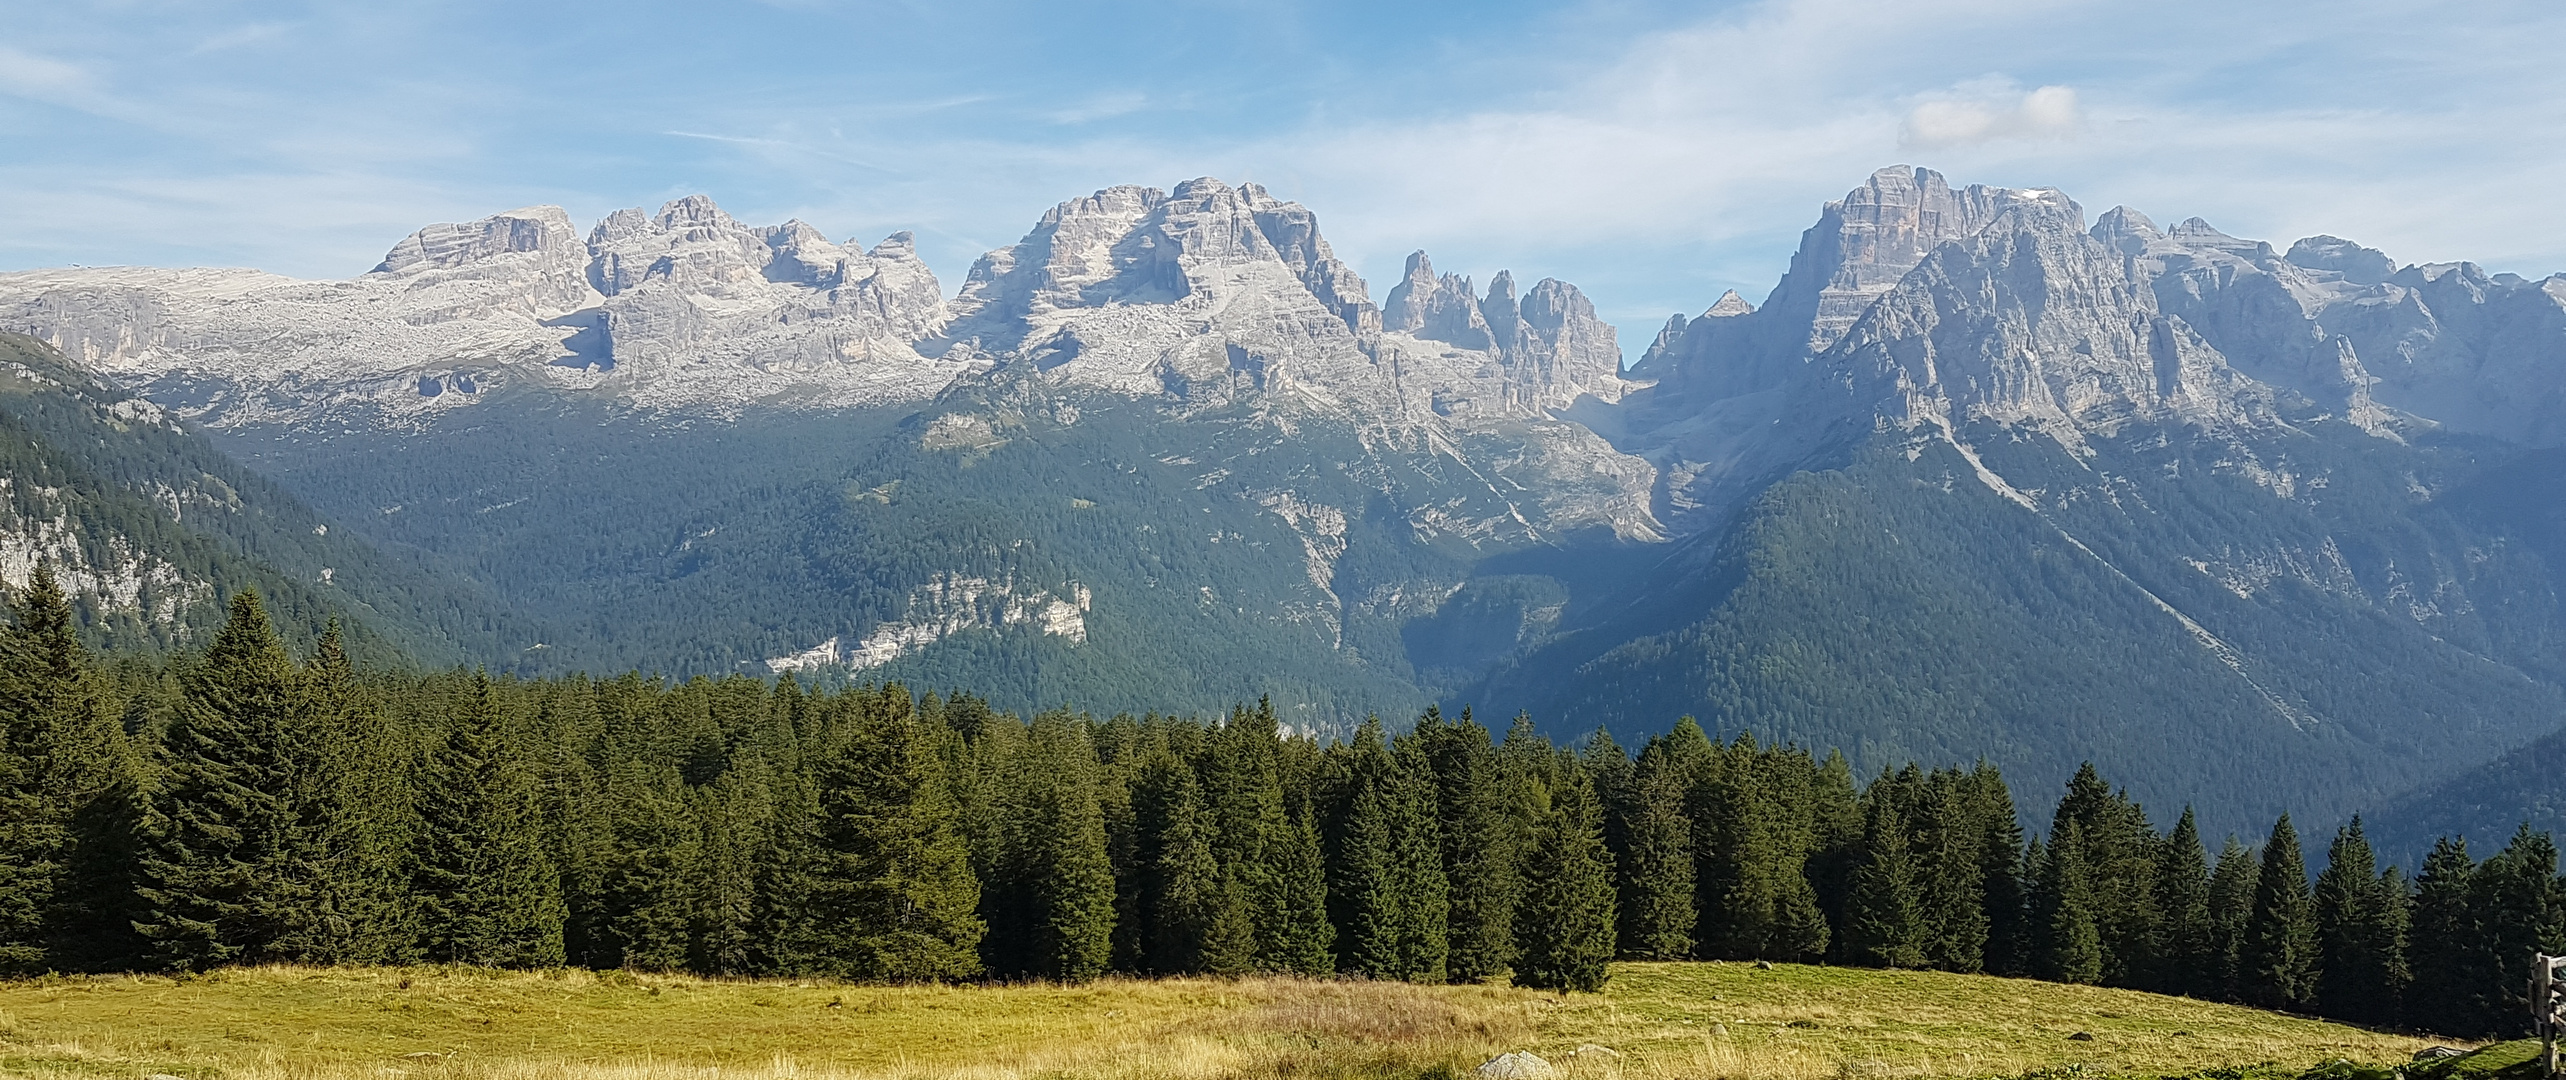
46	79
242	36
1102	107
1968	118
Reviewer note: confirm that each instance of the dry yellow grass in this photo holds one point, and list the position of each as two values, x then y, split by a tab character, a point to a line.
1656	1021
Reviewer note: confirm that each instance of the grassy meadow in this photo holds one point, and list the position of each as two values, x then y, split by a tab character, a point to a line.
1652	1021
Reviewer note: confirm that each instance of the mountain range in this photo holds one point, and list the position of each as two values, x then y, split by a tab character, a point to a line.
2251	528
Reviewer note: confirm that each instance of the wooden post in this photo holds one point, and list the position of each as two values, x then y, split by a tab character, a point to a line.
2548	1006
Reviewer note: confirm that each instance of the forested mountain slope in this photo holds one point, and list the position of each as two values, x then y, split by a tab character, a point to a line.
2044	519
150	528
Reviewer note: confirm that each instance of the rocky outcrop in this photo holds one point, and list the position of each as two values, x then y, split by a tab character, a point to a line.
687	309
2392	350
1498	355
949	604
692	295
1211	295
2030	321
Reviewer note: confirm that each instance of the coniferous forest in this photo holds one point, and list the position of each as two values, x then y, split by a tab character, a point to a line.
242	806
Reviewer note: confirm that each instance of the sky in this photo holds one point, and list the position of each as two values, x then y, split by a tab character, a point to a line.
1652	153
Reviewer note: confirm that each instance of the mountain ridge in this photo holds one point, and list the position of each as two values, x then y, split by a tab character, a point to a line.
1168	442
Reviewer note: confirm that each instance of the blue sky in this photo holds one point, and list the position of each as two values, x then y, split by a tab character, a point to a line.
1652	153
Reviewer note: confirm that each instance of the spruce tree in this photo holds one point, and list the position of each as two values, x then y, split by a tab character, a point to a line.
889	894
2445	944
732	819
1193	909
1883	926
1952	887
1479	842
1385	889
2187	949
488	892
95	785
2276	957
2119	857
2231	905
1564	924
2068	948
1255	839
2003	874
1754	844
2360	933
1417	871
1294	935
1616	779
352	804
646	884
1657	870
1055	881
2515	895
217	875
60	752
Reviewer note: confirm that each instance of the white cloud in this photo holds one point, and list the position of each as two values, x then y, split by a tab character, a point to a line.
2047	113
242	36
43	78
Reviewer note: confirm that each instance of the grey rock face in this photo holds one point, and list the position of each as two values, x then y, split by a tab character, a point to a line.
1211	294
687	309
2444	345
2357	264
1729	407
2030	321
692	292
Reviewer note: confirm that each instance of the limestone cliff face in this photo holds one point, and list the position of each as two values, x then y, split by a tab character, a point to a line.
686	309
1212	295
1212	298
2030	321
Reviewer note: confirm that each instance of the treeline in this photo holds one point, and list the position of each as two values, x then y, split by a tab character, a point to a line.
240	806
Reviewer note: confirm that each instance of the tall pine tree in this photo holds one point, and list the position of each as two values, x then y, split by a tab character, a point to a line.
2445	945
488	892
1564	925
1883	925
1656	871
2360	921
1479	842
2069	947
219	873
1055	880
888	891
2187	944
2517	901
2276	957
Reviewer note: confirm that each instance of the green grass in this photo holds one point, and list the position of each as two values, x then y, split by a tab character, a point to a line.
2515	1060
1655	1020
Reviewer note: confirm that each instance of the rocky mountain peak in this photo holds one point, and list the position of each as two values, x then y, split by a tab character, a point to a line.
542	230
2196	233
693	211
2359	265
1437	308
2126	231
2032	321
898	245
1864	242
1729	306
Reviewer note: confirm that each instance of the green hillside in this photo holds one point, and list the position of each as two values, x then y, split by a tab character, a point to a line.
1898	607
104	484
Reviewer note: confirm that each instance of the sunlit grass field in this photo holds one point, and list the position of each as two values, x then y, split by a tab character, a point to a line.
1653	1021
